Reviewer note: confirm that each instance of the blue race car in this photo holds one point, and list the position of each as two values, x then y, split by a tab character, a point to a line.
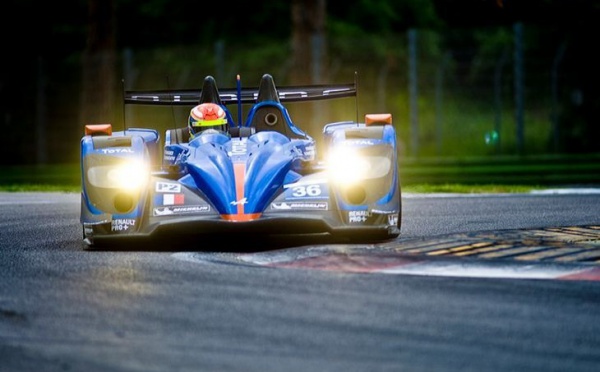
261	175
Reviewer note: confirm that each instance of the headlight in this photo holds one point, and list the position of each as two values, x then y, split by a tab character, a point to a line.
347	165
127	175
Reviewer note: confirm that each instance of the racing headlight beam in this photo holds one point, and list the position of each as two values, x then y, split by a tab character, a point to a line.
127	175
347	166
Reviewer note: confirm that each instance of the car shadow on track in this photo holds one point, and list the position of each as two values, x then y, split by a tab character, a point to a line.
246	243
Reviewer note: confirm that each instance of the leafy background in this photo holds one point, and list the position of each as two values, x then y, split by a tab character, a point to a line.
66	63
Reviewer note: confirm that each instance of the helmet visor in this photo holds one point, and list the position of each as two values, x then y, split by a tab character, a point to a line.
205	116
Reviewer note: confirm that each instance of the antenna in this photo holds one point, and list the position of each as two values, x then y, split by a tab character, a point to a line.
356	95
124	113
239	98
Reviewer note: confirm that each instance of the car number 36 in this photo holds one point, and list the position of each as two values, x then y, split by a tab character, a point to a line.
303	191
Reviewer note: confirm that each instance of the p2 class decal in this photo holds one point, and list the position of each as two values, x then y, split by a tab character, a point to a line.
178	210
167	187
321	206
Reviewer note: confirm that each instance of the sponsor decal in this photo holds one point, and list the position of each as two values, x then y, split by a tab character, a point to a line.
298	93
168	187
122	224
317	181
238	147
362	142
300	205
187	209
379	211
358	216
242	201
169	156
117	151
145	98
392	216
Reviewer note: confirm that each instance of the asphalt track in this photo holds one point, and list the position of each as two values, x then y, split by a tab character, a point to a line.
474	283
561	253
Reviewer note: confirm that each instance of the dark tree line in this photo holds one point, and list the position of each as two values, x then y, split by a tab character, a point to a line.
60	57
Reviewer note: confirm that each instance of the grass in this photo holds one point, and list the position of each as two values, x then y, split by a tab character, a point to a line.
34	187
420	188
425	175
470	189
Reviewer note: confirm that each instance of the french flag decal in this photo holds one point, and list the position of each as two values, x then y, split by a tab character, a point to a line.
173	199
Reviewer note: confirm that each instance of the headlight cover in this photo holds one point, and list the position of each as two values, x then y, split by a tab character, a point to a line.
129	175
349	165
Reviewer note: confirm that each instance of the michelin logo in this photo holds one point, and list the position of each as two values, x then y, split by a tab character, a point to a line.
300	205
187	209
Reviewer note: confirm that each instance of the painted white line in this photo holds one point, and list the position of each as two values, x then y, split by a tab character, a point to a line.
8	198
559	191
484	270
567	191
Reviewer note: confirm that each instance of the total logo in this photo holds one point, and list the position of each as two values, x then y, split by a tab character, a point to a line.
361	142
117	151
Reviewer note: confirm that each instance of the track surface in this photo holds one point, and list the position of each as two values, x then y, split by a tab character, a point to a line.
474	283
567	253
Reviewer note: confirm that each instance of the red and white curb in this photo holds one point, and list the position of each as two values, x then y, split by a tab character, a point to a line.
397	263
560	253
401	265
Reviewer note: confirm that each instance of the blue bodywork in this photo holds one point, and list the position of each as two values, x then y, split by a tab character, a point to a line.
265	178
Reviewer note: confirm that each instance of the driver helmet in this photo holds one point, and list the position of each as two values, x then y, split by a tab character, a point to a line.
207	116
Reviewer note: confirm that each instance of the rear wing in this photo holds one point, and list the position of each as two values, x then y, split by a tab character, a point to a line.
243	95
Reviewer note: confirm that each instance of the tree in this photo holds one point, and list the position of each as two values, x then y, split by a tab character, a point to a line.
99	58
308	41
